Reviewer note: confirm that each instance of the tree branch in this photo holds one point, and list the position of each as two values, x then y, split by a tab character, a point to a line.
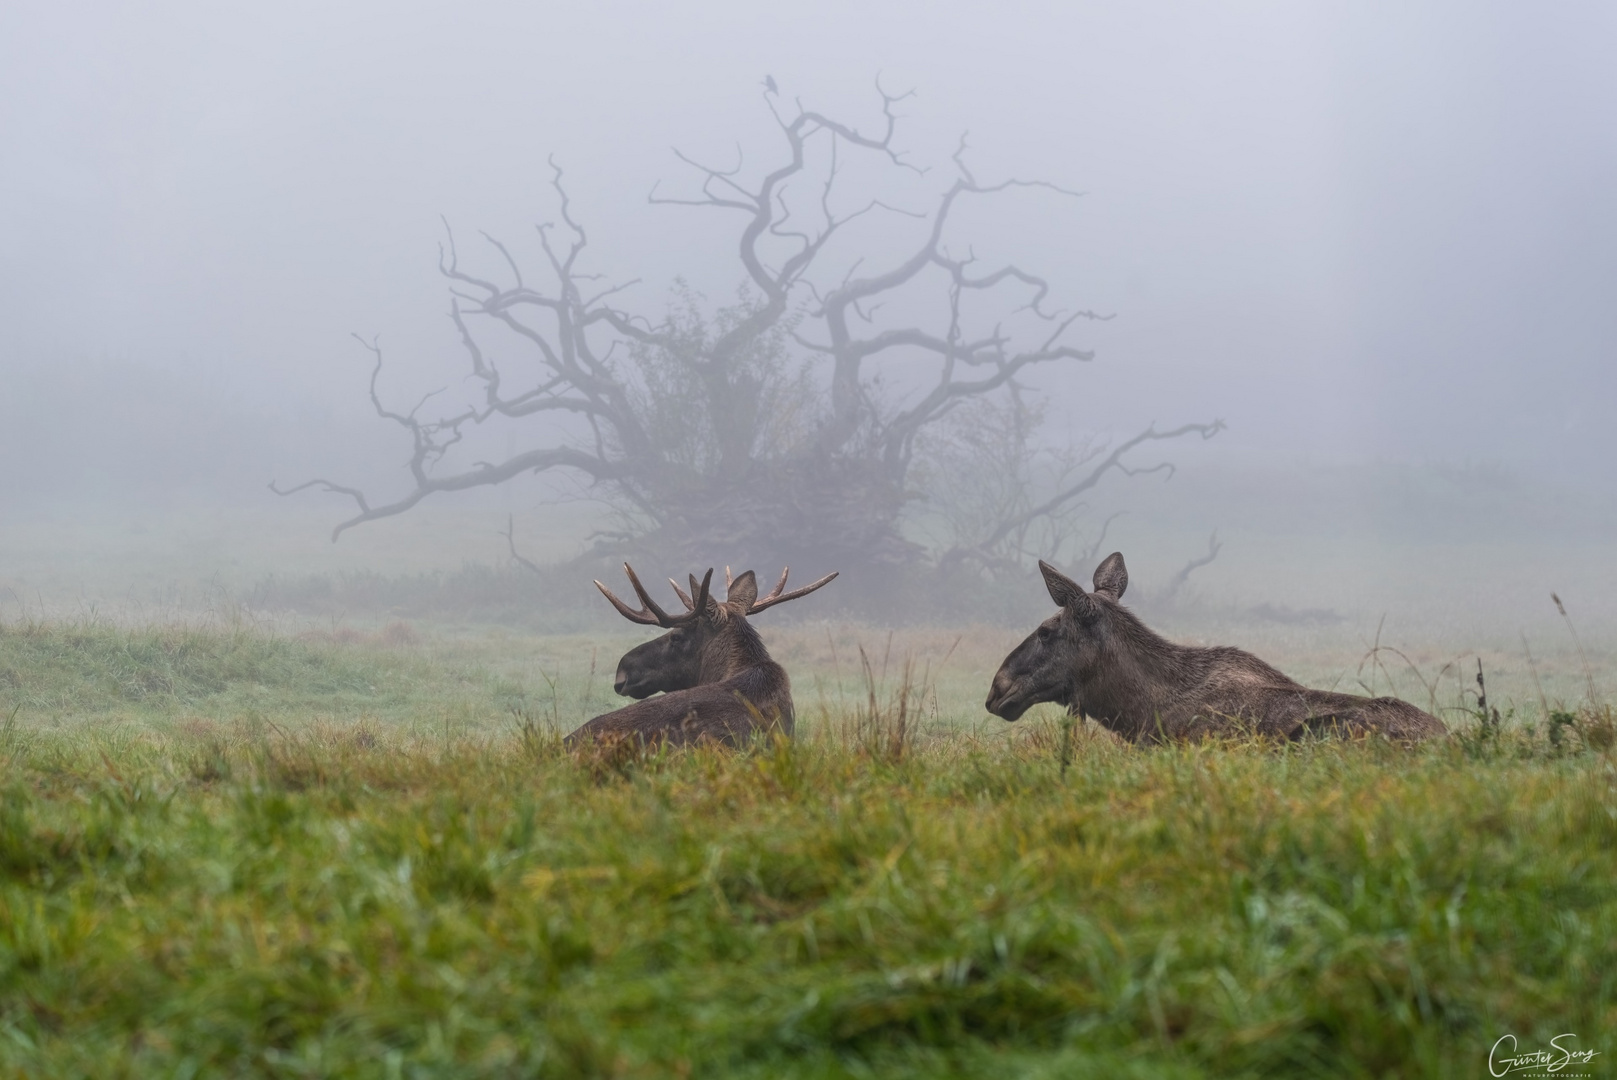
511	544
1177	582
1111	462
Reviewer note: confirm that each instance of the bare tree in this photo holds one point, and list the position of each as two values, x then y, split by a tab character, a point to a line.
1000	500
764	429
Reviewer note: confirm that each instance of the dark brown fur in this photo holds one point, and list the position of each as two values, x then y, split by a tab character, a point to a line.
717	681
1099	660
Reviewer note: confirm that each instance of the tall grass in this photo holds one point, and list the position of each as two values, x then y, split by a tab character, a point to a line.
325	904
383	898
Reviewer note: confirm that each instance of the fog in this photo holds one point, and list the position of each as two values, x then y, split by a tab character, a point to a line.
1378	240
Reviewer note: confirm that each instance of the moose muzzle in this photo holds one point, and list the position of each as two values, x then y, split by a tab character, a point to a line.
1000	695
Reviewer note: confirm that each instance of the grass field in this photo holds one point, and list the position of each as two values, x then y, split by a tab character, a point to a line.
225	851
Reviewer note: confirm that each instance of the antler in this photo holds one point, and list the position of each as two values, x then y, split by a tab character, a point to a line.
776	597
685	597
651	614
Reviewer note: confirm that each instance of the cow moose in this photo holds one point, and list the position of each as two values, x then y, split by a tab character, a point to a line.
717	680
1098	659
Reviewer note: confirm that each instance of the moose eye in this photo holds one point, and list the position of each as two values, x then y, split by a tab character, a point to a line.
1046	633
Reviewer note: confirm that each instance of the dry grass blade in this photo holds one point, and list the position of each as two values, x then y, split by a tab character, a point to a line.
1583	657
884	725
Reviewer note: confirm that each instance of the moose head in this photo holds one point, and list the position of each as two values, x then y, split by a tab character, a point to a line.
1068	648
706	642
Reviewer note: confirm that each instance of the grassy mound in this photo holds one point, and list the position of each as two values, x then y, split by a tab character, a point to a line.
356	902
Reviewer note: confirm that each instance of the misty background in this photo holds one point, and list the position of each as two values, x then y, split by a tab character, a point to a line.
1378	240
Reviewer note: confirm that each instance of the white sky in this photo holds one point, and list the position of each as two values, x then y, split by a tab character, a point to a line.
1355	231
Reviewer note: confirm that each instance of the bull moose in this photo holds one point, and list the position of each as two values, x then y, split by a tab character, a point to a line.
1098	659
717	680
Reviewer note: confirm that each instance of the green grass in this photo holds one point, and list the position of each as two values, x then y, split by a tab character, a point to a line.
95	666
91	674
187	888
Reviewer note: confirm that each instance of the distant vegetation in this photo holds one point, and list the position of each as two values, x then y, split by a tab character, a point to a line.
542	598
92	666
563	599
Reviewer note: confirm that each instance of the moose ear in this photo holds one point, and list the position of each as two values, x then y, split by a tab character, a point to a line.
743	591
1111	576
1064	591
